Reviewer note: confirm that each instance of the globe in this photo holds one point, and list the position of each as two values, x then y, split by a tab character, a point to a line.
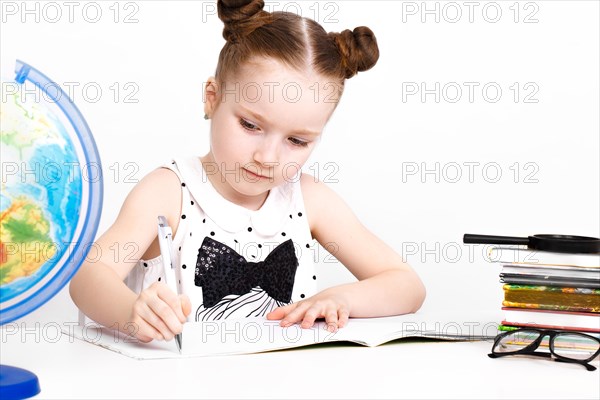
50	202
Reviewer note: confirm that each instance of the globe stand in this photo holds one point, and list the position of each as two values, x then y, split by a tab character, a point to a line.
17	383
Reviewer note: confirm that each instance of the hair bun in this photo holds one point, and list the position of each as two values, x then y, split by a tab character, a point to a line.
241	17
358	49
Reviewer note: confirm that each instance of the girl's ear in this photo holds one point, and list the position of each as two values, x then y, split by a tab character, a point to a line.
211	96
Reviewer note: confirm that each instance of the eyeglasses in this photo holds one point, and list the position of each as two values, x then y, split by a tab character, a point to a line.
565	346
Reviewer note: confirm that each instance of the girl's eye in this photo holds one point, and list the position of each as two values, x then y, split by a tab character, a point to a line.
248	125
298	142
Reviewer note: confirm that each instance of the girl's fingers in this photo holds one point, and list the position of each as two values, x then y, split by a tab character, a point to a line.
145	328
307	312
343	316
146	333
141	325
155	316
281	312
140	330
159	313
295	315
144	338
174	302
335	316
310	316
331	320
186	305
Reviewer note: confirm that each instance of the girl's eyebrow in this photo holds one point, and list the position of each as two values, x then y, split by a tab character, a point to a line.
254	115
261	119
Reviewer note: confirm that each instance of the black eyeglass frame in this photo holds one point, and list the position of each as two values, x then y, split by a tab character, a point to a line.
530	348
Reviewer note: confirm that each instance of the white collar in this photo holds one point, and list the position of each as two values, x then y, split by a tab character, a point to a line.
266	221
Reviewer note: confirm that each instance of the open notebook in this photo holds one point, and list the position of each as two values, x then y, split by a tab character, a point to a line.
255	335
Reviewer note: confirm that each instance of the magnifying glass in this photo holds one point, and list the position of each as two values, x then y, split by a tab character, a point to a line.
556	243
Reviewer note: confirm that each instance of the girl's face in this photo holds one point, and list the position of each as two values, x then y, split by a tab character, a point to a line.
265	124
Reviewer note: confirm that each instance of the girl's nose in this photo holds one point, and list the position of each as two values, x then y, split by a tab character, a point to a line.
267	153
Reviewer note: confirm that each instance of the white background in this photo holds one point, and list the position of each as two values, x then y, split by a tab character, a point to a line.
378	133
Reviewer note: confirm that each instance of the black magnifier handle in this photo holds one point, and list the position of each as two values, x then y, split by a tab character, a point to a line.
487	239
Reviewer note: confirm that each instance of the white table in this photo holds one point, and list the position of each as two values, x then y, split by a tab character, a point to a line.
70	368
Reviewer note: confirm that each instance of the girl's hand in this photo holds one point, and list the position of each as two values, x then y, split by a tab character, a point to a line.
158	313
328	304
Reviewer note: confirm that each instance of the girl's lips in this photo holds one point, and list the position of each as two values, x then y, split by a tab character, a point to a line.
256	175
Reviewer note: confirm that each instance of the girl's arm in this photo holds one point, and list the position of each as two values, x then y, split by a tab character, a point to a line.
98	288
386	285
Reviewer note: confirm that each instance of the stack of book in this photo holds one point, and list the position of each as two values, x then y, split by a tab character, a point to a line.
546	290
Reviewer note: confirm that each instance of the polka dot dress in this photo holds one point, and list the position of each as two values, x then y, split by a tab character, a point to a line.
234	262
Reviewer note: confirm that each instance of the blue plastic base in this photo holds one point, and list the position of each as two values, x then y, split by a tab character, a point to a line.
17	383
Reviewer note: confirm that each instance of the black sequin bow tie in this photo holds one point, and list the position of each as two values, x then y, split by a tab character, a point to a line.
221	271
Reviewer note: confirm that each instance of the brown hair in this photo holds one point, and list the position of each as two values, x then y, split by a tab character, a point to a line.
296	41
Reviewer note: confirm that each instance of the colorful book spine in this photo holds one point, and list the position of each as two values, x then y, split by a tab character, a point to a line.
574	321
510	328
552	298
546	290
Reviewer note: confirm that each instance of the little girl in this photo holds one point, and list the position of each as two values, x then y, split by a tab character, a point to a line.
244	216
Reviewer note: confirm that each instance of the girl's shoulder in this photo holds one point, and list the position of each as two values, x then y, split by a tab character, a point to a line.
163	182
319	199
315	191
310	185
157	193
